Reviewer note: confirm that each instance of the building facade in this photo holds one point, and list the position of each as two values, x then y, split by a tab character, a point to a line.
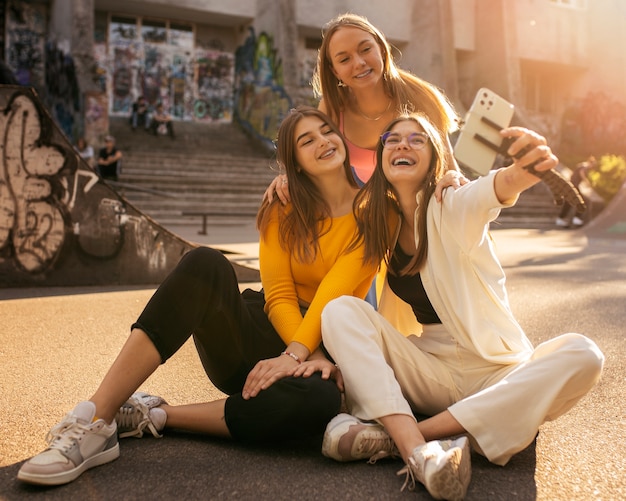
562	62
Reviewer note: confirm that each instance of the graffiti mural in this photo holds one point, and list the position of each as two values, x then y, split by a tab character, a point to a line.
62	90
59	223
25	35
96	116
192	84
32	222
215	79
122	77
260	99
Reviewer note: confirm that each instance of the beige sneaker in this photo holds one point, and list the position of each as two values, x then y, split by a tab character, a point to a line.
347	438
75	445
139	412
443	467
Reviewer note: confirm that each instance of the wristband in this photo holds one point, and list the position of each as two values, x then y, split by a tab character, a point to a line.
292	355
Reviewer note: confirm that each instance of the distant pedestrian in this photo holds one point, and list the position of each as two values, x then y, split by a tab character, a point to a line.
578	176
85	151
139	116
109	160
161	122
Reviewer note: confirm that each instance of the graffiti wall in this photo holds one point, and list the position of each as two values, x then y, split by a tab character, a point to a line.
215	72
42	65
62	95
260	99
59	223
24	47
192	83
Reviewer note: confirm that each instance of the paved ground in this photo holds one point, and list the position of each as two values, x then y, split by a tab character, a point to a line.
56	343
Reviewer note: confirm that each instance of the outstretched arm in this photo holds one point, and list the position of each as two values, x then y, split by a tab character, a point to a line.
511	181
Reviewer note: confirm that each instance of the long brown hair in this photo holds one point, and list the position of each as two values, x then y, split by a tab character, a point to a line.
377	201
404	88
299	225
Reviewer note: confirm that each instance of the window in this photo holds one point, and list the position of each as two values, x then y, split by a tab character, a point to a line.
122	28
181	35
153	31
312	43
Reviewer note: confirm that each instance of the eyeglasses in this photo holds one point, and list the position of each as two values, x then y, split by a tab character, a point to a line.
392	140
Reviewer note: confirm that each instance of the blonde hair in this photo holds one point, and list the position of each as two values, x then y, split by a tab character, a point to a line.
405	89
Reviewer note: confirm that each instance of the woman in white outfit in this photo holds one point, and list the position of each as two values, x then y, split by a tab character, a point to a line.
444	342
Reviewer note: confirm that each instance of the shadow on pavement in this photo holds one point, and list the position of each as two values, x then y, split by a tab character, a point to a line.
186	466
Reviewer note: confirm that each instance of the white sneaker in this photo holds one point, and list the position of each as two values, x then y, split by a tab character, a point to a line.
576	221
443	467
75	445
561	223
347	438
141	411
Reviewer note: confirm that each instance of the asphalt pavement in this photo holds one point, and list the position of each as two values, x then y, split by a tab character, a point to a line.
57	343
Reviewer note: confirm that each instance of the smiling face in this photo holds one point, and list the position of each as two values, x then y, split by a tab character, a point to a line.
318	148
407	155
355	57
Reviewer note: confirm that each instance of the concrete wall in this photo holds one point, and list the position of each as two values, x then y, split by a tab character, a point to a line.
551	33
540	55
392	17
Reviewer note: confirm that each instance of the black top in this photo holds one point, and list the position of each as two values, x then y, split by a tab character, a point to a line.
410	289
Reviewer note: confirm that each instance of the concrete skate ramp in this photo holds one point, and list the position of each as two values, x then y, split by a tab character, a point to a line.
611	222
60	224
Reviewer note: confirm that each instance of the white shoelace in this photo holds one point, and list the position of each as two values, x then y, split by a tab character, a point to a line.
135	417
371	444
63	435
413	469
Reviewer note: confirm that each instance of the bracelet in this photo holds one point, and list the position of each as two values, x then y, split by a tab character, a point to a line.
292	355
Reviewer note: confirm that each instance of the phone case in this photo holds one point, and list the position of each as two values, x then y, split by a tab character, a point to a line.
471	153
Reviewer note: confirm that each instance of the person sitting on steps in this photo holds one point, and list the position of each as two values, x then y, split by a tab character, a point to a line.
109	160
139	115
162	122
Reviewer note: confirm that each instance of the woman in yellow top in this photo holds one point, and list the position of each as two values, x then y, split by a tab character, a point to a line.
249	343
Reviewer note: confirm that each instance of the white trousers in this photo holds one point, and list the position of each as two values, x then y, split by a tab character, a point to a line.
500	406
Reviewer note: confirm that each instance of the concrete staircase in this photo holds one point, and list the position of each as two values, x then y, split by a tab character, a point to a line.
208	168
535	209
217	169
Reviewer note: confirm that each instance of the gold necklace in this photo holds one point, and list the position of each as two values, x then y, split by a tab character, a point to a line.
358	108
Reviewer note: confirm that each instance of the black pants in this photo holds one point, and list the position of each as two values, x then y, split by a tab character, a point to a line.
565	211
232	333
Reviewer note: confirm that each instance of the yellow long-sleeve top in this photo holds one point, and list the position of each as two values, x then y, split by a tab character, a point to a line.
334	272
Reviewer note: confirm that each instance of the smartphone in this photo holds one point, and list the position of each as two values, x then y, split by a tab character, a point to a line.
488	113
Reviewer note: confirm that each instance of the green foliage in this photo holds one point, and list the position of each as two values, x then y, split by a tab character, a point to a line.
607	177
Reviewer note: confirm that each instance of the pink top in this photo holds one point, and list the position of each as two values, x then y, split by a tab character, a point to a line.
363	160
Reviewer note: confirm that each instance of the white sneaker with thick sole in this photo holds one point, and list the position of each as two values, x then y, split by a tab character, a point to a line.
141	411
76	444
443	467
347	438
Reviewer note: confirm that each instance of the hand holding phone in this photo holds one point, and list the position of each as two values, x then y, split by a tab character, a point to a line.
472	154
480	142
